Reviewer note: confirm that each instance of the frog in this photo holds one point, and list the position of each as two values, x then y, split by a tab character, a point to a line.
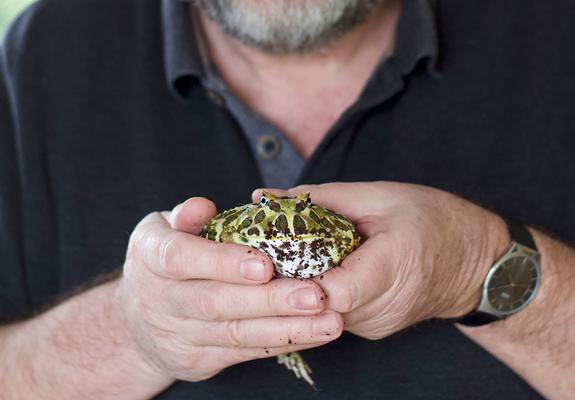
302	239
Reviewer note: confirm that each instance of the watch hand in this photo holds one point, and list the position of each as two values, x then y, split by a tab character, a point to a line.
510	276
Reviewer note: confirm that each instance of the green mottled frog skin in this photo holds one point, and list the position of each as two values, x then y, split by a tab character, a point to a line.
302	239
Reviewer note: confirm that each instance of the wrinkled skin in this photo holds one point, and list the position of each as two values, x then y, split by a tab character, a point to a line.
425	255
194	307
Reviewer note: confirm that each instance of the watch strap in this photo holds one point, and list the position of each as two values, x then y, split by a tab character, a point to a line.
476	318
520	234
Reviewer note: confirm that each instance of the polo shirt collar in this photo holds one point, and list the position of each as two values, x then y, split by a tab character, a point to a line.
416	40
182	58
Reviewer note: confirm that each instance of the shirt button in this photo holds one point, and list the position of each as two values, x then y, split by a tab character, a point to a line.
268	147
215	97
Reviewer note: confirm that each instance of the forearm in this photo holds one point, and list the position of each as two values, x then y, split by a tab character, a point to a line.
538	343
79	349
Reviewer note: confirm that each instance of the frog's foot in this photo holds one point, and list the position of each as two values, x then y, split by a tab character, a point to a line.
296	363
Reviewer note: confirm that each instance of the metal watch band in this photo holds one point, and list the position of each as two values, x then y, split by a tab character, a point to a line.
519	234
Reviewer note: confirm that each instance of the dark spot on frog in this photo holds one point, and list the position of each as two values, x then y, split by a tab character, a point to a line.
246	223
281	224
253	231
229	218
289	341
320	277
327	223
275	206
249	252
267	351
299	225
315	217
259	217
300	206
340	225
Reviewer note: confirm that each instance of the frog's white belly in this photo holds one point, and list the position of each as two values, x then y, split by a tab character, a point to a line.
303	258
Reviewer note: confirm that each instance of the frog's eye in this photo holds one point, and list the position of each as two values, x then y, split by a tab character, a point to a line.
263	201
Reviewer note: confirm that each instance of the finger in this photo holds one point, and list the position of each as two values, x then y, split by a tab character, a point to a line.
192	215
342	198
216	301
181	256
225	356
265	352
362	276
339	197
266	332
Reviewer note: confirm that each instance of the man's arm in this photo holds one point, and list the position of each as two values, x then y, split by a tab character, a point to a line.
79	349
426	254
184	308
538	342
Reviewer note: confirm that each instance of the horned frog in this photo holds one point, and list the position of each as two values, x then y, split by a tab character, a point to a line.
301	238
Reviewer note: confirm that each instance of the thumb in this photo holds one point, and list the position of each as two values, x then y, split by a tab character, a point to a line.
192	215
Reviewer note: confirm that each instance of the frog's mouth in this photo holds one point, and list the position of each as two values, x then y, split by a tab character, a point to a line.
296	238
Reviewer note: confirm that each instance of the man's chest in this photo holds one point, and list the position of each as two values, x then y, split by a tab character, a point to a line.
491	157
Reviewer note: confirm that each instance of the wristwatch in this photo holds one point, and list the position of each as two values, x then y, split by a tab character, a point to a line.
511	283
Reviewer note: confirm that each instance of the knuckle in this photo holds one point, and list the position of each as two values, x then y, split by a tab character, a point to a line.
219	261
272	300
208	303
234	336
184	363
134	242
345	299
142	239
170	256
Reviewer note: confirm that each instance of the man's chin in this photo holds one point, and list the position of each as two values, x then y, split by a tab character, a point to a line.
287	26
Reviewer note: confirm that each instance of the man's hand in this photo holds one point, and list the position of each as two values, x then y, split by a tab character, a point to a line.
424	254
195	307
184	308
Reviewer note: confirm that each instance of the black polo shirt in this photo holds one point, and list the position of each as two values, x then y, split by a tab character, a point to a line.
92	139
279	163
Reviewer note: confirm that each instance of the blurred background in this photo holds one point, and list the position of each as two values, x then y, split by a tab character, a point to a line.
8	10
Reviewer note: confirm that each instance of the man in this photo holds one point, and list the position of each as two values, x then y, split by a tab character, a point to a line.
112	109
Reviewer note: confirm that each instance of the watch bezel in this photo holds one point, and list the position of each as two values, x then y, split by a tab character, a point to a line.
516	250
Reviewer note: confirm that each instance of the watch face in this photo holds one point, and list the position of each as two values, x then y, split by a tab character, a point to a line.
513	284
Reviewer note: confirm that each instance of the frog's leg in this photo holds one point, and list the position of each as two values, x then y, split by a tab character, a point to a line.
296	363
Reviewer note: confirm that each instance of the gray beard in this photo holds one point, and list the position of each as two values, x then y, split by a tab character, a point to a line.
287	26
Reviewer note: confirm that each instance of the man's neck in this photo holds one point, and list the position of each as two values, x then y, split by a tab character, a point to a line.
304	94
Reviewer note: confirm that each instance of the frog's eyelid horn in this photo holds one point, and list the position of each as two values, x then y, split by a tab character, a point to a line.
305	197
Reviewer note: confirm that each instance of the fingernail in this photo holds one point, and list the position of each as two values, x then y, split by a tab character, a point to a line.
303	299
253	269
325	324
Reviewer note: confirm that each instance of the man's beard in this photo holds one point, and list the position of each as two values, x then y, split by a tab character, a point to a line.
287	26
